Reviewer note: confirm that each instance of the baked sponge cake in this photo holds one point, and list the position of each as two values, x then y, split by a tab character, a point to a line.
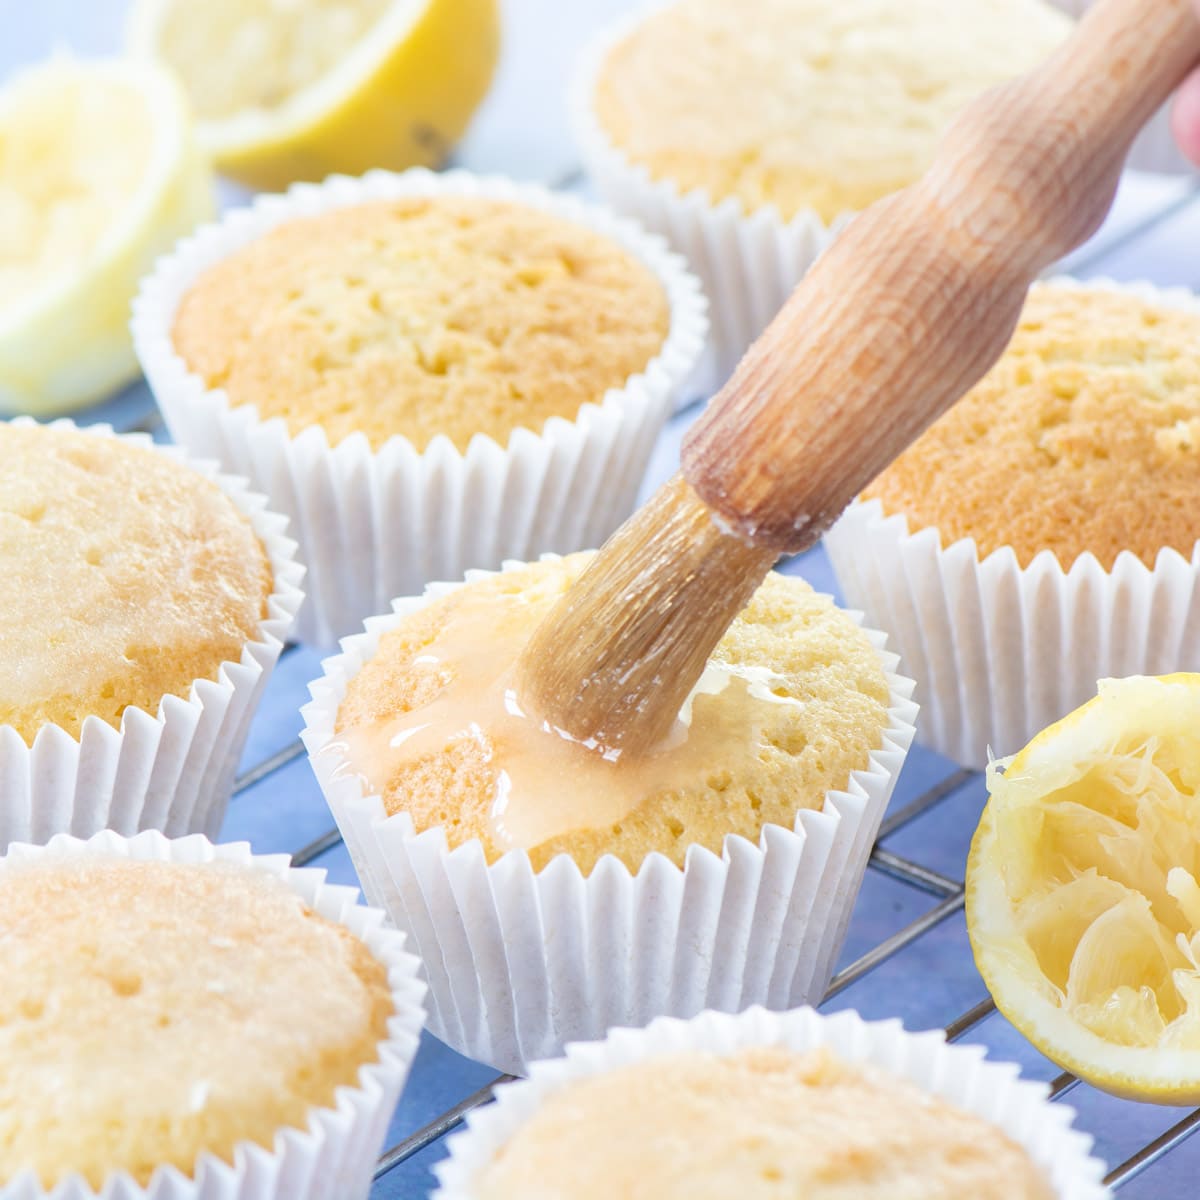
1084	437
423	316
793	700
825	105
125	576
761	1124
152	1011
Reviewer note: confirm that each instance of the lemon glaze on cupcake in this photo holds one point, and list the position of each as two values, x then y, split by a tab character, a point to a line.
1084	437
762	1123
422	316
794	700
152	1011
124	577
825	105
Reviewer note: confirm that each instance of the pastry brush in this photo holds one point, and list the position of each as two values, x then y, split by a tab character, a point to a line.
902	315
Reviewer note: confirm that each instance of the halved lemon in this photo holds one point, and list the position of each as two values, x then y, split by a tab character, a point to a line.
1083	905
99	174
297	89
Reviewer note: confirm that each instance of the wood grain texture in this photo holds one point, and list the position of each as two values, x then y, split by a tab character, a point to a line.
900	317
919	296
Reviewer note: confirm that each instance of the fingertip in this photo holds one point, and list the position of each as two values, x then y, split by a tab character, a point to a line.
1185	117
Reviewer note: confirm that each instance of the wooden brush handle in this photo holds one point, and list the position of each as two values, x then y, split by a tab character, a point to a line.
920	295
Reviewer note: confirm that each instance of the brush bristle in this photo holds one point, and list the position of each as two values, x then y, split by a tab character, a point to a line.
616	658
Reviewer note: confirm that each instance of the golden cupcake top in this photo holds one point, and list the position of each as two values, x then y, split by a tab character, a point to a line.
152	1011
762	1123
423	316
808	104
1084	437
793	700
124	577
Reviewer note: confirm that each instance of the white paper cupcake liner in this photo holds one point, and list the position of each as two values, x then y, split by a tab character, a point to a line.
1154	148
749	263
520	962
960	1075
373	525
333	1157
171	770
1000	651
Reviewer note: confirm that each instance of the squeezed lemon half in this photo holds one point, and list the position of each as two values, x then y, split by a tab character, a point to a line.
99	174
1083	905
297	89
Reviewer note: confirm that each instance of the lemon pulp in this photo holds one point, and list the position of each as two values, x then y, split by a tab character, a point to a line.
99	173
1082	897
298	89
62	177
257	53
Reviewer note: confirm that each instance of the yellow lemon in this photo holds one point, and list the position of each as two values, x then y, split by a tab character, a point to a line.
298	89
1082	898
99	174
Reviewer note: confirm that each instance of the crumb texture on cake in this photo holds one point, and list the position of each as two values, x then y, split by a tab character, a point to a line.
808	104
1085	436
423	316
765	1123
152	1011
124	577
826	713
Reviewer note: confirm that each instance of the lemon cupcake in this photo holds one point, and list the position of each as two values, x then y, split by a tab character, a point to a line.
767	1105
1044	532
146	599
718	871
425	372
746	134
185	1020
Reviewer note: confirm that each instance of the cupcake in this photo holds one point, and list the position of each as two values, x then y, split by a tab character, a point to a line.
1043	533
426	373
184	1020
551	892
771	1105
146	600
748	133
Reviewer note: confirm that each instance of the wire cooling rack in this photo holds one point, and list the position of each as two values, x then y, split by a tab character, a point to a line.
906	953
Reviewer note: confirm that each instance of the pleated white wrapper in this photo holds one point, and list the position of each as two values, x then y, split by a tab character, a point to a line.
521	962
748	262
377	524
1000	651
960	1075
333	1156
171	770
1154	149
